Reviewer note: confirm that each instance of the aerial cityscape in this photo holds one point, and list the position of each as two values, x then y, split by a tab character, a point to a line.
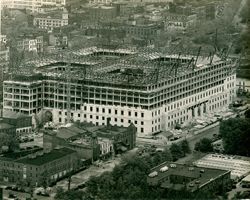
124	99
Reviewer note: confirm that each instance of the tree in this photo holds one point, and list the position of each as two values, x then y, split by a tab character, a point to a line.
242	195
166	155
157	159
71	195
236	136
92	185
59	192
204	145
10	141
247	114
185	147
244	14
128	180
176	152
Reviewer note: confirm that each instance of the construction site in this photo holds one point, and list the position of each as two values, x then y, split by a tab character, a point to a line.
153	90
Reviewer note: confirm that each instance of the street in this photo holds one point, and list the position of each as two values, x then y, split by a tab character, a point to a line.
76	179
206	133
93	170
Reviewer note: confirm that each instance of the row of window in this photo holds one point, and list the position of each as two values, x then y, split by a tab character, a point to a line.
177	121
109	111
85	116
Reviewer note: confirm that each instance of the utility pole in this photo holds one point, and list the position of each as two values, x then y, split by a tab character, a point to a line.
69	180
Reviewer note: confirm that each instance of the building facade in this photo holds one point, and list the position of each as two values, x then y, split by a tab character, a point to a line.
152	103
179	21
100	2
22	123
58	40
92	143
76	139
51	20
24	97
30	44
102	13
142	30
32	5
39	168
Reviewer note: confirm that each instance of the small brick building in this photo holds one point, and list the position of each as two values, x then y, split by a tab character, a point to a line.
37	168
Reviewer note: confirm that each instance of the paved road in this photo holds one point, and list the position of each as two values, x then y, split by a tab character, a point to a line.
191	138
83	176
207	133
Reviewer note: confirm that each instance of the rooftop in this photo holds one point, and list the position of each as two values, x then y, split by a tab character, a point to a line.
13	115
109	132
17	155
46	157
57	14
196	176
29	36
246	179
4	125
66	132
239	166
80	135
132	67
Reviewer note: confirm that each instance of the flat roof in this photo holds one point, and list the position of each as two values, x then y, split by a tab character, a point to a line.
13	115
109	132
16	155
198	175
4	125
239	166
53	14
66	132
46	157
246	179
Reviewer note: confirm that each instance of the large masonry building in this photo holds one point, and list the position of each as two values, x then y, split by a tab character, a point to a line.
32	5
154	91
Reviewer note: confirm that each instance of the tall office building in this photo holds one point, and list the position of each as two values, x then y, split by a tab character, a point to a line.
154	91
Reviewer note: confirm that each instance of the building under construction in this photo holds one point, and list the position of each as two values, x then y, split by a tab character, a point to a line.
153	90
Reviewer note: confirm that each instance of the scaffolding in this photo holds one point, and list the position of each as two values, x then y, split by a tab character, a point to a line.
144	66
